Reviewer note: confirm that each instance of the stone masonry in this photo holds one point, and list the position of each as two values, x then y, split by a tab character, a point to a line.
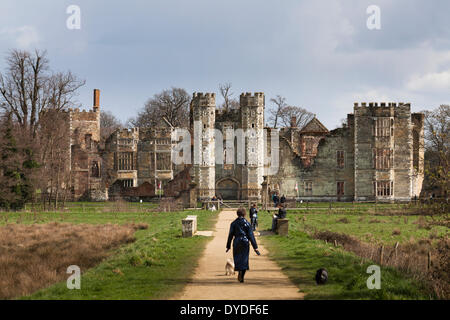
377	155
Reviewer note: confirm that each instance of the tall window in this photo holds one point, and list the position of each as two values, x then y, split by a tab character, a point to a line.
382	127
95	170
125	161
163	161
340	159
383	188
308	188
340	188
382	158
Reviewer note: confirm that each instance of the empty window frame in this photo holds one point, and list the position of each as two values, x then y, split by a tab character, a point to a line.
382	127
308	188
125	161
383	158
340	188
383	188
340	159
95	170
163	161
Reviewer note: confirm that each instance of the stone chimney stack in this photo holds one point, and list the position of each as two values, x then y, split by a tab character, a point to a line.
96	99
293	122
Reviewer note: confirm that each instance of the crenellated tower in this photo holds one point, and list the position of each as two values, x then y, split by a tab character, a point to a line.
252	123
203	108
385	149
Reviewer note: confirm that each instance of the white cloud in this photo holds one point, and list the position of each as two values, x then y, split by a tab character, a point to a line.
436	81
24	37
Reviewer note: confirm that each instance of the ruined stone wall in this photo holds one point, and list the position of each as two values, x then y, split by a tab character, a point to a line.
418	152
86	162
322	174
403	153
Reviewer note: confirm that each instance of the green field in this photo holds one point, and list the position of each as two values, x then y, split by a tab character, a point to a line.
153	267
156	264
300	255
369	227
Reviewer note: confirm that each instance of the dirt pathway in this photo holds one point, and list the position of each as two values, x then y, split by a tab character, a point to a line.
264	280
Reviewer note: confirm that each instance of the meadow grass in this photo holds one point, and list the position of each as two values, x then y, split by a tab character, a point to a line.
300	256
369	227
156	266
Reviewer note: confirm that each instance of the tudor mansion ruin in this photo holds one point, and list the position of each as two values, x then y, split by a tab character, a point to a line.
378	155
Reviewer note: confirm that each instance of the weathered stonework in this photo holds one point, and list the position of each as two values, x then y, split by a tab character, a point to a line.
378	155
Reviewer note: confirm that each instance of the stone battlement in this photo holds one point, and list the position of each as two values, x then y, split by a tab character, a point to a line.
204	99
248	99
381	104
88	115
204	95
249	94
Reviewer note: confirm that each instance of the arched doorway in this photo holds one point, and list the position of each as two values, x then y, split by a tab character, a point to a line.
228	189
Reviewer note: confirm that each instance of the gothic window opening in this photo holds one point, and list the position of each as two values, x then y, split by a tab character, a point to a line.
382	127
382	158
95	170
383	188
340	188
340	159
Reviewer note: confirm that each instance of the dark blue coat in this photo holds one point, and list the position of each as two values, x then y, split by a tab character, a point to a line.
242	233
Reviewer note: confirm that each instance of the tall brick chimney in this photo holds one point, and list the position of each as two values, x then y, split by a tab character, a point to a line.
293	122
96	99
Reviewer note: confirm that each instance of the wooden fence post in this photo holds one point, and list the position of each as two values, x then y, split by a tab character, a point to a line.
381	254
335	243
429	260
395	250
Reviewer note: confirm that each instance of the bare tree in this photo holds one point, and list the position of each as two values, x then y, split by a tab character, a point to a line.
275	112
302	116
54	148
28	88
172	104
228	101
437	145
108	124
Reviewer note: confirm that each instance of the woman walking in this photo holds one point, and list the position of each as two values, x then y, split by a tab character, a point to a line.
241	231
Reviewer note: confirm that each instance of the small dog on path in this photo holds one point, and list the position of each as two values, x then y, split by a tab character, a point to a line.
229	268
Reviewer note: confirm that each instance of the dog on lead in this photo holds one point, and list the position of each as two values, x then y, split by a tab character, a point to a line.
321	276
229	268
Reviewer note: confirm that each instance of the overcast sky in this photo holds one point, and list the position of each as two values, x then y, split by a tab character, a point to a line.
318	54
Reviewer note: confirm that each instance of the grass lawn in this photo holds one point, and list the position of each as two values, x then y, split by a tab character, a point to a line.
153	267
300	256
369	227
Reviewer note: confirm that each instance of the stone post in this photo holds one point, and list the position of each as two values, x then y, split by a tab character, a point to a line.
283	227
